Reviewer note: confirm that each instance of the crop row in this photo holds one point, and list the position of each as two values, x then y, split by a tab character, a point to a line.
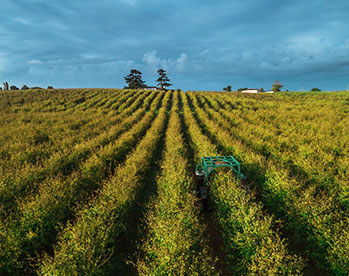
24	100
38	218
253	247
315	154
98	102
40	135
82	101
63	163
174	244
87	245
46	101
310	217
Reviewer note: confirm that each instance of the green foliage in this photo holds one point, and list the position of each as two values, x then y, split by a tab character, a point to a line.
163	80
73	161
315	90
85	247
134	80
254	248
276	87
228	88
249	236
41	215
40	137
13	87
309	201
174	244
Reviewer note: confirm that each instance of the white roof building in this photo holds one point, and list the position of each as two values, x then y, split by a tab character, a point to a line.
255	90
250	91
152	88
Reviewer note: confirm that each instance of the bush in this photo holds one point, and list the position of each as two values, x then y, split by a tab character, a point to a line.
228	88
276	87
13	87
240	89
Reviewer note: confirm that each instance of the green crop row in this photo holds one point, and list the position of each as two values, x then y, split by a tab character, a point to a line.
86	245
41	134
253	246
77	167
66	162
36	101
34	225
174	244
310	217
318	157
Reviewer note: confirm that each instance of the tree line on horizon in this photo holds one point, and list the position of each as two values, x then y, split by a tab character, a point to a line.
7	87
276	87
134	80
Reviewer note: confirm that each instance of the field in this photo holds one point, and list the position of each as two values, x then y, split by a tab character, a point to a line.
101	182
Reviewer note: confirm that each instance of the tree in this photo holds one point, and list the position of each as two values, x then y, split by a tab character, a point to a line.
5	85
163	79
261	90
49	87
315	89
277	86
134	80
13	87
228	88
24	87
240	89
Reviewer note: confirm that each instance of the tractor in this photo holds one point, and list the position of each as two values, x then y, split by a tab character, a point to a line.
206	167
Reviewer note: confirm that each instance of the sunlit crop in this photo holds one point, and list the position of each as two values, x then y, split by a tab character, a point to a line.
101	182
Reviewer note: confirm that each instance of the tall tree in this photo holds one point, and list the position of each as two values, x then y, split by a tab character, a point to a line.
228	88
6	85
277	86
134	80
163	79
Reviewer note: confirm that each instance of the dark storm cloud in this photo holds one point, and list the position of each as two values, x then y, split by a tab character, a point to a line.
203	45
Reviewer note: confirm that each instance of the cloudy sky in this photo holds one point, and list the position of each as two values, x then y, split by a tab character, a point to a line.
203	44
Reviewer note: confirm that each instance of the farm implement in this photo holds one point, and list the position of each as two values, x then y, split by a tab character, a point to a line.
207	166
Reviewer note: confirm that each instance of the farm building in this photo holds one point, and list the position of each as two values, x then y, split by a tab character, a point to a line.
153	88
250	91
255	91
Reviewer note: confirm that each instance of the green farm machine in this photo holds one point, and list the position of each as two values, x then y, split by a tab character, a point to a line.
207	166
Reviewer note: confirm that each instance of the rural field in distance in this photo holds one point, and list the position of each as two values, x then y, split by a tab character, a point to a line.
102	182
